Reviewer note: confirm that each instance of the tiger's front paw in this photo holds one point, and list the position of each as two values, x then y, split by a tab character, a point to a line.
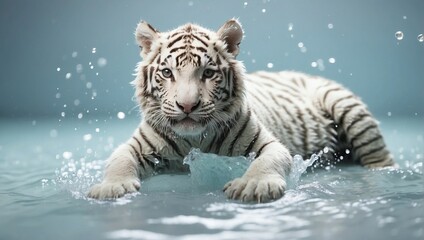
114	189
259	189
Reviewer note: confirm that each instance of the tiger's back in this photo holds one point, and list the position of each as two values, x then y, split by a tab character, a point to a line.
308	113
284	102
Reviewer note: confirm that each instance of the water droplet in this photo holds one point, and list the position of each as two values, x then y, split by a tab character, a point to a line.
87	137
404	17
245	4
77	102
325	150
263	10
389	114
156	161
347	151
62	114
121	115
93	50
300	44
67	155
68	75
74	54
58	69
331	60
314	64
330	26
399	35
101	62
190	3
58	95
270	65
91	67
89	85
80	115
97	130
420	37
290	28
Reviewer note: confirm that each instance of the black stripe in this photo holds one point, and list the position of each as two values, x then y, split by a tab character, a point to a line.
137	154
368	142
347	110
263	146
371	152
271	111
220	140
352	139
150	163
329	91
323	86
255	138
338	101
202	49
145	79
151	28
175	40
177	48
146	139
278	82
239	133
204	43
138	142
359	118
172	144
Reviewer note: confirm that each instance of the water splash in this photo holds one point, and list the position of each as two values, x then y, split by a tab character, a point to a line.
299	167
211	172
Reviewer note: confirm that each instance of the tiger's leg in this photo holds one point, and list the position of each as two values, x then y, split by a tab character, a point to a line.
121	175
265	179
356	125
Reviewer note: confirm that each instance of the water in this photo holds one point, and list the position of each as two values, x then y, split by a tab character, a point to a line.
44	178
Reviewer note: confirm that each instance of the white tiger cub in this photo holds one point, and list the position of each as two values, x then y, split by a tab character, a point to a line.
189	84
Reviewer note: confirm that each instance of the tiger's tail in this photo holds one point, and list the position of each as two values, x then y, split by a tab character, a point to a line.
355	125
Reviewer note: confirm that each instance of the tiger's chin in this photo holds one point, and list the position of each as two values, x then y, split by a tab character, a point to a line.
188	127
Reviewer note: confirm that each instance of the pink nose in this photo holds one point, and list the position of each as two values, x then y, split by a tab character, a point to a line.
188	107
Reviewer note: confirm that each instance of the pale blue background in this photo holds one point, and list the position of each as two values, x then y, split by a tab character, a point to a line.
37	37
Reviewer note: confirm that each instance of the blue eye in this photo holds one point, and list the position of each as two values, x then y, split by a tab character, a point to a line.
167	72
208	73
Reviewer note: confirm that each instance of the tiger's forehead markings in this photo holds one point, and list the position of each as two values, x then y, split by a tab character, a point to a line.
191	41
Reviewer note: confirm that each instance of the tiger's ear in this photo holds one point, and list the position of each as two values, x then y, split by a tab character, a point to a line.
232	34
145	35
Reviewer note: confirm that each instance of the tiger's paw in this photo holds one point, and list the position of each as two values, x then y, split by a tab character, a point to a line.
258	189
114	189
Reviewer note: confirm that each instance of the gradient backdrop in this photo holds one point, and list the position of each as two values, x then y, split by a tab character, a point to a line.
70	58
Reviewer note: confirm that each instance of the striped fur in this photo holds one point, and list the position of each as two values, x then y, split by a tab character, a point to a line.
193	93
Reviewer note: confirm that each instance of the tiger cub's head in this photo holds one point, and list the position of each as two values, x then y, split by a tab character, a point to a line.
189	81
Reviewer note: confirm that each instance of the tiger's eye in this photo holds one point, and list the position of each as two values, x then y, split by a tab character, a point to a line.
208	73
167	72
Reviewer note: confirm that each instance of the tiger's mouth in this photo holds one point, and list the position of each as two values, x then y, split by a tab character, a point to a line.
188	126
